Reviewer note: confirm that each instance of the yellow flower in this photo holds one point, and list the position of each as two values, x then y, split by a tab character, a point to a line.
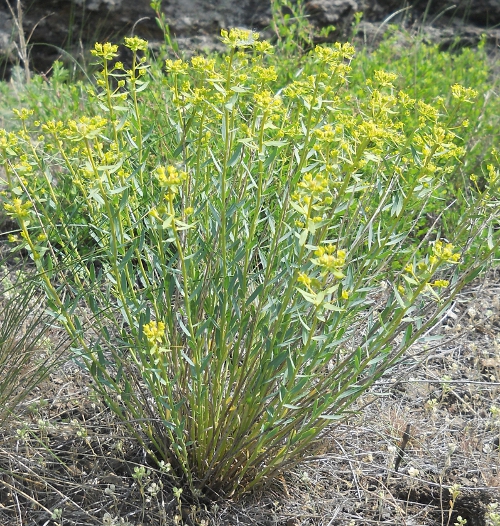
23	114
305	279
445	252
331	260
154	331
440	283
203	64
427	111
18	209
384	78
314	185
176	66
53	126
136	44
86	128
170	177
265	74
154	213
239	38
405	100
333	55
267	101
264	47
463	94
107	51
327	133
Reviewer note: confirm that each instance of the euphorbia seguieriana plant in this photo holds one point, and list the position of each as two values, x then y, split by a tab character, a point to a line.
219	246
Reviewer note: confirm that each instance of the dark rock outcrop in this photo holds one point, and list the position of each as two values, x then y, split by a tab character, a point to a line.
331	12
56	27
479	13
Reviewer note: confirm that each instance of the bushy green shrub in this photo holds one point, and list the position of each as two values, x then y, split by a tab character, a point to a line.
231	246
428	73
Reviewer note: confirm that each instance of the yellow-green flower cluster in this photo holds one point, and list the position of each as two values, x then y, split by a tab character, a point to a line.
8	140
154	332
463	94
331	260
320	292
328	133
314	185
265	74
268	101
312	196
406	101
427	113
443	253
336	58
440	283
306	280
438	143
23	114
378	132
239	38
382	105
170	177
384	78
107	51
299	88
85	128
493	174
420	274
136	43
178	66
263	47
18	209
22	168
334	53
203	64
53	127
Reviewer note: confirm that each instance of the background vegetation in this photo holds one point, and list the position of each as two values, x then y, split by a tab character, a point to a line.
240	246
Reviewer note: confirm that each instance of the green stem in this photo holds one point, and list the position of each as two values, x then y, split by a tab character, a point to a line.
133	80
109	101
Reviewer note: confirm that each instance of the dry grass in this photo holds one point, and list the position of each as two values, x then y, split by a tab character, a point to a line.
26	355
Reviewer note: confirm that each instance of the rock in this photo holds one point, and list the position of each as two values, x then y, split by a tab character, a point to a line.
485	13
331	12
58	27
7	38
453	35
